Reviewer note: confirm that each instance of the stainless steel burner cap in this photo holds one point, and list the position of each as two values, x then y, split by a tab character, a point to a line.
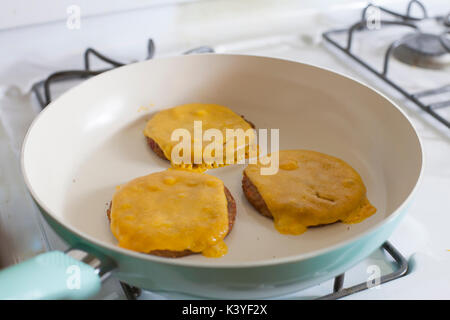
423	50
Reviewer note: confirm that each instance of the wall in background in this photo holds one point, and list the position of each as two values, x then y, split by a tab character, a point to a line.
19	13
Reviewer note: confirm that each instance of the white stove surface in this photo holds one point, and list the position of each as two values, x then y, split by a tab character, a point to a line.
422	236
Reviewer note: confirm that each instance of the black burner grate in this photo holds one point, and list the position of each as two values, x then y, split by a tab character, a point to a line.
402	268
42	88
400	20
339	291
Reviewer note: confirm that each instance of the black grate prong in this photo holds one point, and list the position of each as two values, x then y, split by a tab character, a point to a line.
402	269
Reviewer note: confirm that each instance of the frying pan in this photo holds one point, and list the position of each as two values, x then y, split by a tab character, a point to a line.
90	140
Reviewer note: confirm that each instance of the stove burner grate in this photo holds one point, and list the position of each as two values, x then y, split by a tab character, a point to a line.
410	49
402	269
45	98
339	291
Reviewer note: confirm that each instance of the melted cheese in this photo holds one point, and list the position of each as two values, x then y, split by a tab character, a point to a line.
213	116
311	189
171	210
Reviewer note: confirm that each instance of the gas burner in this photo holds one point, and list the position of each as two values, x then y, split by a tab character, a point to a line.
446	20
423	50
417	49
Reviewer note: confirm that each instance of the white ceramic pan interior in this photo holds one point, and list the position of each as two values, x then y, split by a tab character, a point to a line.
91	140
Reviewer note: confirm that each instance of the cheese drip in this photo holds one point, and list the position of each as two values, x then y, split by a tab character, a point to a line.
171	210
311	189
213	116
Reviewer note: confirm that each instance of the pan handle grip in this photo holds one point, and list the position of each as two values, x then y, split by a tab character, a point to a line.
50	275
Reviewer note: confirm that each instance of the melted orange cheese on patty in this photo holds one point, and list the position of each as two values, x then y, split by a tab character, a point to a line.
161	126
171	210
311	189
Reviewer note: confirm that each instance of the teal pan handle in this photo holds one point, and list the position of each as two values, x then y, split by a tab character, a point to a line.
51	275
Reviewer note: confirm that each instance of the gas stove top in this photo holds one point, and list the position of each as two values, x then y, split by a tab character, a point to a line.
419	249
427	46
